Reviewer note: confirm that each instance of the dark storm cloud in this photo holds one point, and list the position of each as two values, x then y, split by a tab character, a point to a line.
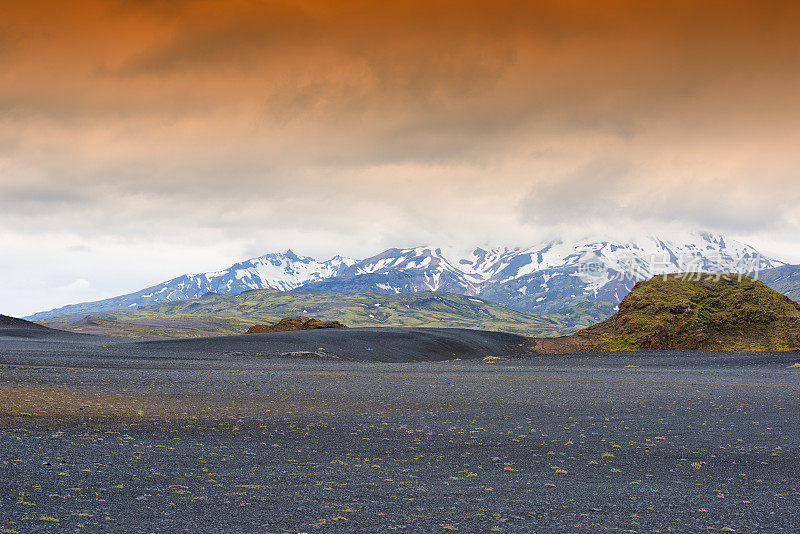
372	83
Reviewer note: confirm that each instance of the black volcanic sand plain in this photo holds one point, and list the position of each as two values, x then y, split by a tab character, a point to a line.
98	435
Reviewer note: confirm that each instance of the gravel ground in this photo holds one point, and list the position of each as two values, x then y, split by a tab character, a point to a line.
134	440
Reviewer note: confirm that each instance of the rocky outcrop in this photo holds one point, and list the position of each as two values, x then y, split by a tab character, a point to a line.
294	323
681	311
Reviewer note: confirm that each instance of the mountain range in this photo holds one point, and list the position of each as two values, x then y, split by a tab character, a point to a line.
551	277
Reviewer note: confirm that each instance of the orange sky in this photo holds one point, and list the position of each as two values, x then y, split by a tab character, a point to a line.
146	125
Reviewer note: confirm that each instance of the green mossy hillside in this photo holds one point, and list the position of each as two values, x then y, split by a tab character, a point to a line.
216	314
708	311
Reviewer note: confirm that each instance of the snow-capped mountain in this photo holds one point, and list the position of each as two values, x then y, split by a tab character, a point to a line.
559	275
551	277
273	271
281	271
784	279
406	270
547	277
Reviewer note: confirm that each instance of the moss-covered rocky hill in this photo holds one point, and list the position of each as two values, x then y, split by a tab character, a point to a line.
708	311
288	324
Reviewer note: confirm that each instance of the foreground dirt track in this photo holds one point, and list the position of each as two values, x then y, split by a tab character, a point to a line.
633	442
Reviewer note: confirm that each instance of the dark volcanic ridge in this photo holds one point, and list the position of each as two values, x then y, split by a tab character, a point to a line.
8	323
11	327
349	344
691	312
359	344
